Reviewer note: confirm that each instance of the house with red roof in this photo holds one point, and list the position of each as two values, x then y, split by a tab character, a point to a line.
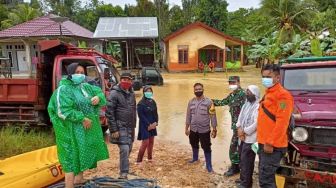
197	45
19	43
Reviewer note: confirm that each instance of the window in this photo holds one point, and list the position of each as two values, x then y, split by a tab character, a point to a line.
10	57
310	79
182	54
152	73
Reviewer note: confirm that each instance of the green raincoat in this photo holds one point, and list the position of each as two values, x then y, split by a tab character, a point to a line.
78	149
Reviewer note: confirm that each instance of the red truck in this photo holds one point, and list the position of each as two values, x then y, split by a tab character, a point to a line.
311	159
25	100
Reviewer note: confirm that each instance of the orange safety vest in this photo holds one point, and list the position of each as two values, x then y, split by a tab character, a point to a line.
279	102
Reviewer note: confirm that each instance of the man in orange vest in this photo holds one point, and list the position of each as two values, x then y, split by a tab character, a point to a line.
274	114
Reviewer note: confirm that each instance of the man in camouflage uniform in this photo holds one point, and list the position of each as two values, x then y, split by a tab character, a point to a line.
235	100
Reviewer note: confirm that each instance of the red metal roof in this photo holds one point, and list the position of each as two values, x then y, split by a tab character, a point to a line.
45	26
203	25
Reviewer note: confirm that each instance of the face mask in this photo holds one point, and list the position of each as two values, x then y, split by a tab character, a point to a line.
77	78
199	93
125	85
233	87
250	98
148	95
267	82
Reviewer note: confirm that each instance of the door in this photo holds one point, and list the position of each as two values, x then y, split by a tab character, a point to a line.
22	61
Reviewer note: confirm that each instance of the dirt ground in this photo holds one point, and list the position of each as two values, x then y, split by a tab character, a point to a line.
170	167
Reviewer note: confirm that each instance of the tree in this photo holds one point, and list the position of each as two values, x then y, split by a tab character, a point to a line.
162	13
325	20
288	16
189	9
20	14
324	5
176	20
213	13
89	16
142	8
66	8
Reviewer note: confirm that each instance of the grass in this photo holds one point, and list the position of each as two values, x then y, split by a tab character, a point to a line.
15	141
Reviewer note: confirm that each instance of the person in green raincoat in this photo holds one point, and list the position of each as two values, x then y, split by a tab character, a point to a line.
235	100
74	111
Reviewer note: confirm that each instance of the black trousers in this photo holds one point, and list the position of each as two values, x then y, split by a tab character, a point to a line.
247	158
268	164
204	138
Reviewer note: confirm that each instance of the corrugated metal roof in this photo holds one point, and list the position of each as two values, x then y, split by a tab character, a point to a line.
45	26
126	27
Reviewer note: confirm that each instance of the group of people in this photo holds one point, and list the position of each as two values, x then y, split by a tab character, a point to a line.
262	123
74	110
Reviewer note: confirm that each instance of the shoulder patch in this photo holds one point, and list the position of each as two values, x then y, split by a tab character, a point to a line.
283	105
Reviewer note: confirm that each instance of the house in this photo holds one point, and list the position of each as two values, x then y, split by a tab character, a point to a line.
198	43
136	36
19	43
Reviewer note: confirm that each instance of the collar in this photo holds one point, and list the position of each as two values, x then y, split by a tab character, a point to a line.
274	88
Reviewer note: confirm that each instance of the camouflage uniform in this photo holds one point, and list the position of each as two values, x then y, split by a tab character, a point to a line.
235	101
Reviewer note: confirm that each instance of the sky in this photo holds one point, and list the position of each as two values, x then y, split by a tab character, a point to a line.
233	4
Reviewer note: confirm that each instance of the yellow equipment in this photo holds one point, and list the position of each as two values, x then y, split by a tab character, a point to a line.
34	169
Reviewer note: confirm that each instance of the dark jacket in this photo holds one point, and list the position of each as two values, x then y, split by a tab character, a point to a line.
147	112
121	112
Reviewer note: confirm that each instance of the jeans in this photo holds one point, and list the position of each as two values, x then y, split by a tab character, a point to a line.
124	153
268	164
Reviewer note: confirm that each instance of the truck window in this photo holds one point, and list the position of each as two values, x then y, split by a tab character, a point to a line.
152	73
310	79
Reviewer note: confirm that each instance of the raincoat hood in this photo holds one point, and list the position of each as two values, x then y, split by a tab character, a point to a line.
255	91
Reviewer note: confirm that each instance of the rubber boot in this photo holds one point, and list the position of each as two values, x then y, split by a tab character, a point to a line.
233	170
208	161
194	155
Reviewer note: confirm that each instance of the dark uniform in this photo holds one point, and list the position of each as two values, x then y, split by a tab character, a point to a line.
235	101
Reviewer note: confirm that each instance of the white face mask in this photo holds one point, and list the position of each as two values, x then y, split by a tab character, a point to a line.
233	87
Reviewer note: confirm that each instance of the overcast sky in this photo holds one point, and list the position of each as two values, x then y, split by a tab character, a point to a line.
233	4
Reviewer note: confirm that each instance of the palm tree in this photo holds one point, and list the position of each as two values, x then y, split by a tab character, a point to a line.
288	16
22	13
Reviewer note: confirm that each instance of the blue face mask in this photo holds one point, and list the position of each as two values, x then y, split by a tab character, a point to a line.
148	95
267	82
77	78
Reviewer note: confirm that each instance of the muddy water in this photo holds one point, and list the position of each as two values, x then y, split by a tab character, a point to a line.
173	97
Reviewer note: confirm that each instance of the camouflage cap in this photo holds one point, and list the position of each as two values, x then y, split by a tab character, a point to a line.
234	78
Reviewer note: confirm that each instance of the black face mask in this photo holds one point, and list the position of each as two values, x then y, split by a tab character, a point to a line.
198	93
251	98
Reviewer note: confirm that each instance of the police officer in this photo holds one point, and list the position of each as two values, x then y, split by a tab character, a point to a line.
274	114
235	100
199	114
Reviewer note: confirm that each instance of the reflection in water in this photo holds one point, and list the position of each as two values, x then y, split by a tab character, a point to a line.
172	100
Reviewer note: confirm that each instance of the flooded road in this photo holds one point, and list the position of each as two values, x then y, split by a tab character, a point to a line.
172	100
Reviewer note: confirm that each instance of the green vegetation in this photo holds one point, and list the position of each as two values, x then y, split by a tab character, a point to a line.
15	141
277	30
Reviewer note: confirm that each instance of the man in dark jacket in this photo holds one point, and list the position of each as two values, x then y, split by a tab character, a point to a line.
121	116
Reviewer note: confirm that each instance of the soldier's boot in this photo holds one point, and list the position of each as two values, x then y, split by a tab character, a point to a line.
194	155
233	170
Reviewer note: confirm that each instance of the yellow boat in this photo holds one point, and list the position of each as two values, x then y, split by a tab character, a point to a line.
34	169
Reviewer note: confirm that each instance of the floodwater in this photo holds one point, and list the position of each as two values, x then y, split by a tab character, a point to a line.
172	100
